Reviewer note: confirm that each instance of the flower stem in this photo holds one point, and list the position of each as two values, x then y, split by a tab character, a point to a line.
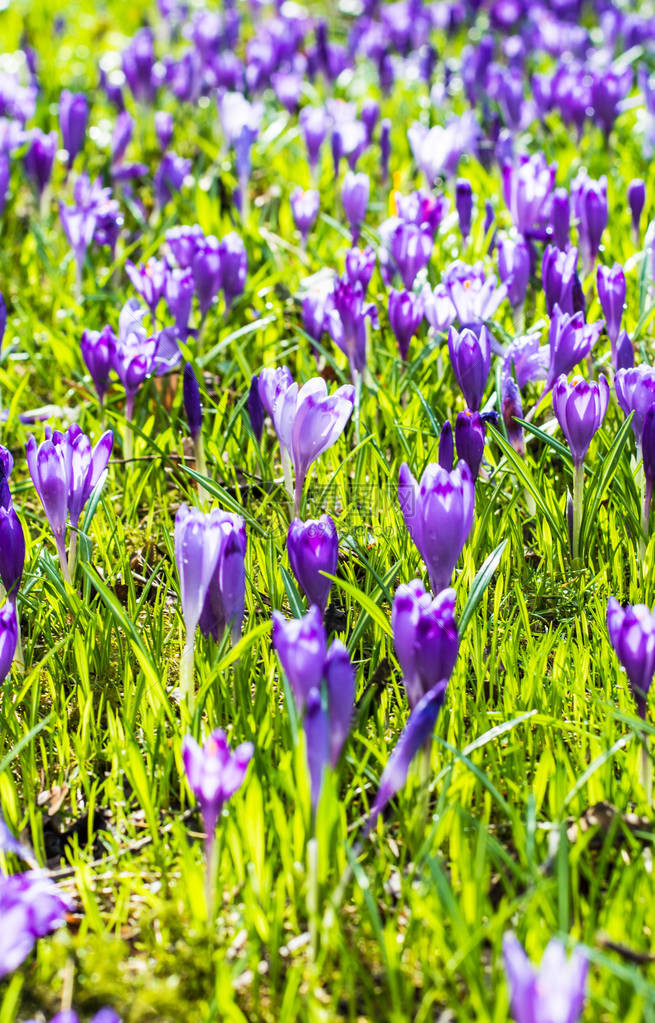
578	491
288	475
201	466
646	771
186	672
71	554
63	561
128	439
647	496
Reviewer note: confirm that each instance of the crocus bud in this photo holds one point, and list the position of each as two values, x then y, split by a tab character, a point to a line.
580	408
360	264
385	148
560	219
590	202
438	515
304	207
417	732
313	125
556	991
647	449
512	409
214	773
570	340
313	548
470	357
317	730
489	217
256	409
340	683
405	316
12	550
301	646
39	158
191	399
234	266
560	279
470	436
625	355
369	115
446	447
121	136
206	269
8	638
73	117
164	129
98	349
636	202
632	634
635	392
354	195
611	292
514	268
425	637
464	205
411	247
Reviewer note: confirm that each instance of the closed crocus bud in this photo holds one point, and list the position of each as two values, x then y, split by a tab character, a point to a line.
411	247
611	292
470	357
425	637
98	348
514	268
446	447
385	148
489	218
304	207
464	205
318	422
314	126
226	594
340	683
405	316
512	409
360	264
256	410
570	340
12	550
179	289
417	732
438	514
8	638
73	117
369	115
302	648
317	742
313	548
560	219
207	272
636	202
47	465
632	634
580	408
560	281
121	136
590	204
191	399
635	392
234	266
470	434
625	354
214	774
556	991
198	539
39	158
647	446
354	195
164	129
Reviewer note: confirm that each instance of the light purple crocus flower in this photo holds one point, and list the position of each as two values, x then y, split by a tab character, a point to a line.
610	283
635	392
570	339
405	317
8	639
438	308
214	773
240	120
580	407
556	992
527	186
79	224
134	352
561	284
475	294
31	906
438	514
313	548
470	357
425	637
149	280
170	176
632	634
304	207
410	247
354	195
514	268
589	199
437	151
314	127
346	322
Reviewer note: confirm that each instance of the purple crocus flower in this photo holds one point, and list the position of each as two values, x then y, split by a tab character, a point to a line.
580	408
608	88
636	202
134	352
240	120
138	61
556	992
40	157
570	340
405	316
170	176
314	127
149	280
164	129
438	308
214	773
417	732
446	447
226	596
474	294
121	137
470	436
191	401
437	151
514	268
184	242
8	643
560	218
464	205
385	147
635	392
207	272
438	515
73	119
625	355
32	906
360	264
105	1015
560	280
301	645
305	207
256	410
313	548
234	266
425	637
346	322
591	209
511	410
410	247
79	225
470	357
354	195
610	282
527	185
12	549
632	634
179	289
